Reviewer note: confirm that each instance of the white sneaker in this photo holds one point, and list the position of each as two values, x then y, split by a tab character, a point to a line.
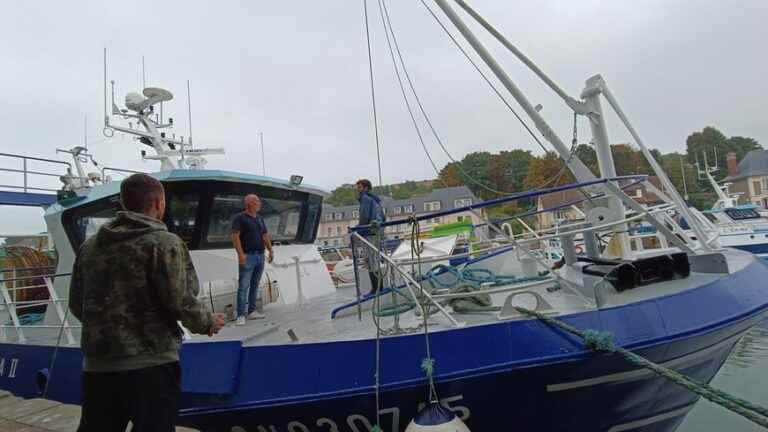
240	321
256	315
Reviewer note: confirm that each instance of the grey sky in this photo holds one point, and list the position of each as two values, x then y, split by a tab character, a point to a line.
297	70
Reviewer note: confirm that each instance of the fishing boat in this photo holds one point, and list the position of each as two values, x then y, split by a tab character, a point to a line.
452	336
739	226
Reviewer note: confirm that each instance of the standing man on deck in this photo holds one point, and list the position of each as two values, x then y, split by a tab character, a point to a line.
250	238
371	211
131	283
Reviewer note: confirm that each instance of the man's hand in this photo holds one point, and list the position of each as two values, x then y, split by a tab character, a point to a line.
241	259
270	256
218	323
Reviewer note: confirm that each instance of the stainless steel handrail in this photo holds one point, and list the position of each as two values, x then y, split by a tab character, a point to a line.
26	172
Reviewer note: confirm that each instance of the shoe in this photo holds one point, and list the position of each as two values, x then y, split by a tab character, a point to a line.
256	315
240	321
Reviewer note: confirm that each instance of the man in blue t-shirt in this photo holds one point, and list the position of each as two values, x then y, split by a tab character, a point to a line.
250	238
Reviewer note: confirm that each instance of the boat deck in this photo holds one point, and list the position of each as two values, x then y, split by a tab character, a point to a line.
311	322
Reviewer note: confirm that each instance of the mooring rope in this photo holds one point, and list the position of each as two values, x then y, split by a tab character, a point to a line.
601	341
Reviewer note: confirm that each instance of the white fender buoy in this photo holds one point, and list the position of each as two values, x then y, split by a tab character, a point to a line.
436	418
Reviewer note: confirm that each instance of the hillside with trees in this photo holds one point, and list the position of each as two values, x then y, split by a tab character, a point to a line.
491	175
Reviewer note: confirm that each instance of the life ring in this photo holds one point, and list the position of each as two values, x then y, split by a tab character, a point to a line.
578	249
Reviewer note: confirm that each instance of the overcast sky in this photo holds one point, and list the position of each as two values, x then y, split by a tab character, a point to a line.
297	71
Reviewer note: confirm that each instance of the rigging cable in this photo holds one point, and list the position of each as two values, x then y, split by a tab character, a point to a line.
373	92
387	29
485	77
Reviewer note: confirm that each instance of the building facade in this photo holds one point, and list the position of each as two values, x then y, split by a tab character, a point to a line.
336	221
565	212
749	178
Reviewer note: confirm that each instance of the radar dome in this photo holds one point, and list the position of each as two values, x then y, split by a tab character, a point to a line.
134	101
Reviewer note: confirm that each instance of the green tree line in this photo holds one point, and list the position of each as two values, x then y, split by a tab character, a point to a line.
490	175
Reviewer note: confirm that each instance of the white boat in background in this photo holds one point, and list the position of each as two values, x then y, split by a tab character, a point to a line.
740	226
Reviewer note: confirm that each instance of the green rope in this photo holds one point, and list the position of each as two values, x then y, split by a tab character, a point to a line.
603	342
428	366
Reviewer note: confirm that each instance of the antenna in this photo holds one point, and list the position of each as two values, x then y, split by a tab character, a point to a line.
85	133
106	118
263	162
189	113
682	170
143	76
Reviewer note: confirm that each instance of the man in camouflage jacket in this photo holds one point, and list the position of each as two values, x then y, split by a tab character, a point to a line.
131	283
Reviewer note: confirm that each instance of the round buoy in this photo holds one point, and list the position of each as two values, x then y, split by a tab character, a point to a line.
436	418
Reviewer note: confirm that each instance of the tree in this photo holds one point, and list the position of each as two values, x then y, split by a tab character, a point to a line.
708	141
508	169
588	155
547	171
673	165
474	173
741	146
627	160
450	175
343	195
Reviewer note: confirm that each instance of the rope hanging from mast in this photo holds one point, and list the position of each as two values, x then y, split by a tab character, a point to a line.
373	91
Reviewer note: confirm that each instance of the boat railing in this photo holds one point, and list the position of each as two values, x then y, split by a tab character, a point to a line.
31	179
10	292
410	283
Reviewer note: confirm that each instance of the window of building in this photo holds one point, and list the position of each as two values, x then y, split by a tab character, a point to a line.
355	214
764	183
330	231
432	206
437	220
638	193
329	216
408	208
397	210
336	242
758	189
460	219
339	216
338	230
463	202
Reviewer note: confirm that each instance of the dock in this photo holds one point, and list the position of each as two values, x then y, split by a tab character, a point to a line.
41	415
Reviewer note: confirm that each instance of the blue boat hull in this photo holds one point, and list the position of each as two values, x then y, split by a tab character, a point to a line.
519	375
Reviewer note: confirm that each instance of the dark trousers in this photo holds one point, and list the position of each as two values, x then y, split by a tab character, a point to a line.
148	398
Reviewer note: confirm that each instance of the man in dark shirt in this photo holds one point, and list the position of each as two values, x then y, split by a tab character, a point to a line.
371	211
250	238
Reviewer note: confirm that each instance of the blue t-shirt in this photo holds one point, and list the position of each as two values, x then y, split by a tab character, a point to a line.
252	230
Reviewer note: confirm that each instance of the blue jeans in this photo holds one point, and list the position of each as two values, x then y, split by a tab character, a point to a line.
249	275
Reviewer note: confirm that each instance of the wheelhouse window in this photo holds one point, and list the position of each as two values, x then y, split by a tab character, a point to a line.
181	215
83	222
742	214
201	213
281	217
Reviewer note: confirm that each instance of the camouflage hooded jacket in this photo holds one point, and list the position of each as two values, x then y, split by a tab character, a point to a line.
131	283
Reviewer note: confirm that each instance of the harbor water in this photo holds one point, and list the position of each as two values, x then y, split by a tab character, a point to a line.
745	375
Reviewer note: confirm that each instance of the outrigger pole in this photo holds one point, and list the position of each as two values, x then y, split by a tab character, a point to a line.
590	107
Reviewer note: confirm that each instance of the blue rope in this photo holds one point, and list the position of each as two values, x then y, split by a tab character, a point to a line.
474	277
28	319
